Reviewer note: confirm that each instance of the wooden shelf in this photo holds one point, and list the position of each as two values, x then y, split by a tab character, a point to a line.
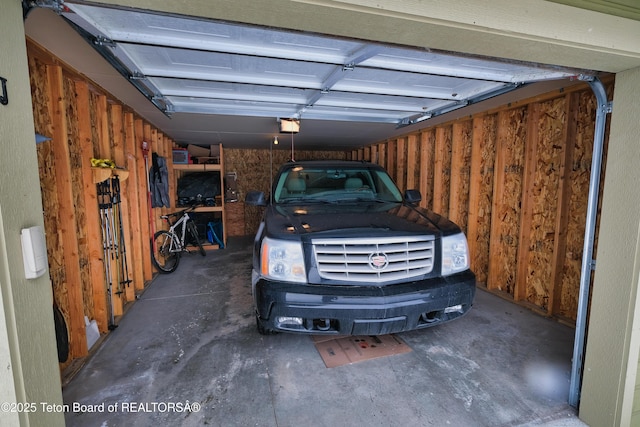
206	167
205	208
100	174
185	169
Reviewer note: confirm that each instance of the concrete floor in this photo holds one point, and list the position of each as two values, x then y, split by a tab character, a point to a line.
191	339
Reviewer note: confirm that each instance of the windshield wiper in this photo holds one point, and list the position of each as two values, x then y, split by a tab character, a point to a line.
292	200
359	199
305	200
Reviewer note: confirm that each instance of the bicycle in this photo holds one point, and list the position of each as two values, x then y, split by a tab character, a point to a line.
168	245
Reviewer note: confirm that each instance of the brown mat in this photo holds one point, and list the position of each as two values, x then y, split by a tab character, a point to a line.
343	350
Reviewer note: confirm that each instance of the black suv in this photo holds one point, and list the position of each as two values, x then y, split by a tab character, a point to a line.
341	251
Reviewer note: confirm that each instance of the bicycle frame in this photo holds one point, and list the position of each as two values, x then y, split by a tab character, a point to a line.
178	238
168	245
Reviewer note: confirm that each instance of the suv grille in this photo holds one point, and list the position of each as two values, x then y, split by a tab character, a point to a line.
374	259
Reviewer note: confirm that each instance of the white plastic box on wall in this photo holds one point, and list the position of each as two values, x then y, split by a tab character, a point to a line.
91	329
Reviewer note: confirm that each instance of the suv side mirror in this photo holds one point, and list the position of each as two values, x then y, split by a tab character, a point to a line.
412	196
255	198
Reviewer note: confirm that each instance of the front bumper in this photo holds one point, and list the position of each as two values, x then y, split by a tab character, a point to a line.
362	310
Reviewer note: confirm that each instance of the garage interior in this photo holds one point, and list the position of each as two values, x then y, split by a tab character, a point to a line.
511	164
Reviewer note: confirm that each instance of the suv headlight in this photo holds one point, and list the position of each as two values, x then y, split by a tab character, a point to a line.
282	260
455	254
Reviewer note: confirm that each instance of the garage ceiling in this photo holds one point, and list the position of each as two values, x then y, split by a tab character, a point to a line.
232	83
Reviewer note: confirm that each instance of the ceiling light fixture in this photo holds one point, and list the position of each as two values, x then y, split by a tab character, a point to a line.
289	126
275	140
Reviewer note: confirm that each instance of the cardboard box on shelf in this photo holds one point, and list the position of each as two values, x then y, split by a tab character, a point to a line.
197	151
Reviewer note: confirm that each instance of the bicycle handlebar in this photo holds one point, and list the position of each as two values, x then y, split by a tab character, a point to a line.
178	213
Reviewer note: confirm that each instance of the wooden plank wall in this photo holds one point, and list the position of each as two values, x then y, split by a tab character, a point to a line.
84	122
256	168
516	180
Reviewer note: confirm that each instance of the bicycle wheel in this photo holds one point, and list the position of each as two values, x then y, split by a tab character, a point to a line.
164	254
196	239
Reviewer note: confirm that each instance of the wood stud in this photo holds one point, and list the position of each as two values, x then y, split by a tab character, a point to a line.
69	286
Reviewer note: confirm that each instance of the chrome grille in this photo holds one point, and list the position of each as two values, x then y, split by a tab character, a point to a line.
374	259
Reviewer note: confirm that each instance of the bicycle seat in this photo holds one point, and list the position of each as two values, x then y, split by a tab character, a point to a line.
174	214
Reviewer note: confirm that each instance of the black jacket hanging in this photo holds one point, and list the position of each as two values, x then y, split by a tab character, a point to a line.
159	180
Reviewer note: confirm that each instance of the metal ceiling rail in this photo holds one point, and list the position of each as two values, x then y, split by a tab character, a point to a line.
101	45
407	121
302	105
325	87
361	55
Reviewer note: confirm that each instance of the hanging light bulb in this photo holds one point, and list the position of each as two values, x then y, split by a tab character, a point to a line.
275	140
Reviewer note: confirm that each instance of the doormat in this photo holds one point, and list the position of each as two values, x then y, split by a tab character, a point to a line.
344	350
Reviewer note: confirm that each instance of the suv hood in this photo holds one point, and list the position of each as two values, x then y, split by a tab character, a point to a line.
353	218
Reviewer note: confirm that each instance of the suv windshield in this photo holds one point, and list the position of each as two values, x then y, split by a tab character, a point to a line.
318	184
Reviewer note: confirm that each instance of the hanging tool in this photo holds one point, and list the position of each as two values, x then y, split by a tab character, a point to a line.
115	239
122	248
105	206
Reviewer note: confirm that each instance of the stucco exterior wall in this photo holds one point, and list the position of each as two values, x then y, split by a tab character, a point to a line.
29	370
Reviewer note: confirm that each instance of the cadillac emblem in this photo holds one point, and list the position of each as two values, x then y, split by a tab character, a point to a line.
378	261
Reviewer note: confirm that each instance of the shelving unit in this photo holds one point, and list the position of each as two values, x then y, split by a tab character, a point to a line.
181	170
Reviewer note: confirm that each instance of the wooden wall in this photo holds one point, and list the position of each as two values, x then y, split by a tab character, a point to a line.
516	180
84	122
256	169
